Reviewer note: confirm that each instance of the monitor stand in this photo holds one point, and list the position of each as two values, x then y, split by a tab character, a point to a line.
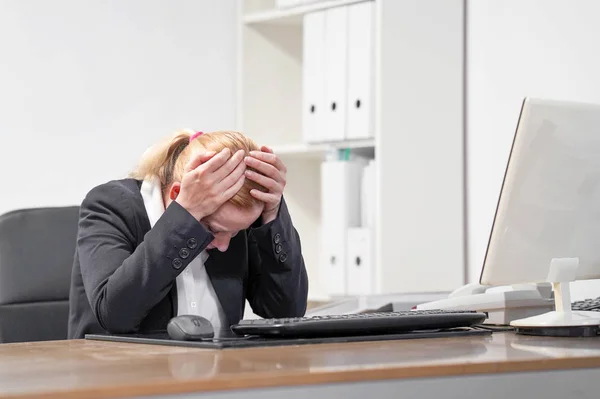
563	321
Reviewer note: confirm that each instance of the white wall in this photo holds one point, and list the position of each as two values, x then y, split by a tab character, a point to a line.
85	87
518	48
420	154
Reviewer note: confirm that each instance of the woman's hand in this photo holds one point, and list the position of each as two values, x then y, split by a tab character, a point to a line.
271	175
209	180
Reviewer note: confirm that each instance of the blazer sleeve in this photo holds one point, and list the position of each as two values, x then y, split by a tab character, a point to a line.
278	282
124	281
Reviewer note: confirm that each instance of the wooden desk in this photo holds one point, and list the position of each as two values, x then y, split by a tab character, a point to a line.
554	367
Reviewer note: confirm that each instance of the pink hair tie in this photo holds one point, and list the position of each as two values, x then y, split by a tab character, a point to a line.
193	136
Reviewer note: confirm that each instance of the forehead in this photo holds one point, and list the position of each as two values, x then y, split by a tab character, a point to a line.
230	218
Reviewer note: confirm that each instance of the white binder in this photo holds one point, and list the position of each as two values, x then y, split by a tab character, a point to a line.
368	200
361	67
336	82
359	261
340	193
313	97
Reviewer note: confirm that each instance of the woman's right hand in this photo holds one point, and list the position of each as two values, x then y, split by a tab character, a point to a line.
209	180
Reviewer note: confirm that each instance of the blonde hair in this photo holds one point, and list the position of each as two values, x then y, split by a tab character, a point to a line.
167	159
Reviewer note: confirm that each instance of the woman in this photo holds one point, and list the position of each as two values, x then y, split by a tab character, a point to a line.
200	227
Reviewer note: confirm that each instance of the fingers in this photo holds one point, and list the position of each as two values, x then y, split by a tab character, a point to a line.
232	178
198	160
265	168
217	161
229	166
231	191
269	158
264	181
267	198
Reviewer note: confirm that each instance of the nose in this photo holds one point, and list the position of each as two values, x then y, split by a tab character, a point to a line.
221	242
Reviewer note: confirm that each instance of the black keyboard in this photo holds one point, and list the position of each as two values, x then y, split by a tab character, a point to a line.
359	324
591	305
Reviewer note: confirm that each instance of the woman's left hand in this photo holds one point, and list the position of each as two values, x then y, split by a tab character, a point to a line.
271	176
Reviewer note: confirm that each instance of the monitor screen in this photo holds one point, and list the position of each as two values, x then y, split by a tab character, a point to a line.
549	205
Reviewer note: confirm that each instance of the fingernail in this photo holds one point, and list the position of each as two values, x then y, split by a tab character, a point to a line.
248	173
254	152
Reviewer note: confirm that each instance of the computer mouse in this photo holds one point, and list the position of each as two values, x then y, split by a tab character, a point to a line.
190	328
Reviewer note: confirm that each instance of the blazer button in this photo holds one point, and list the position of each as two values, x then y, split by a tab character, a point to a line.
278	248
277	238
184	253
177	263
192	243
283	257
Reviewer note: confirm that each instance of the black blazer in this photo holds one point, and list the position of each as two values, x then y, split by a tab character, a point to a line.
123	278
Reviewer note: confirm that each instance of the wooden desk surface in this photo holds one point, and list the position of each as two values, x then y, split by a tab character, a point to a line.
96	369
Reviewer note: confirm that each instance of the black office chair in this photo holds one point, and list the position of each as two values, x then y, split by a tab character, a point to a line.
36	256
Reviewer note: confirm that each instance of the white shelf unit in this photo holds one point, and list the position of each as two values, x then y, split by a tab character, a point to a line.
267	13
319	150
418	139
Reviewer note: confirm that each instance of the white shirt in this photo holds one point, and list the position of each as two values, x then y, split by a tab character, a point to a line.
195	293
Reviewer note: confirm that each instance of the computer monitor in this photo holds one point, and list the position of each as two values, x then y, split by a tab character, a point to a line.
547	222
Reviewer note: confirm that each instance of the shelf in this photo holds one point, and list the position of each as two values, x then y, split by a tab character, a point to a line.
293	15
318	150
